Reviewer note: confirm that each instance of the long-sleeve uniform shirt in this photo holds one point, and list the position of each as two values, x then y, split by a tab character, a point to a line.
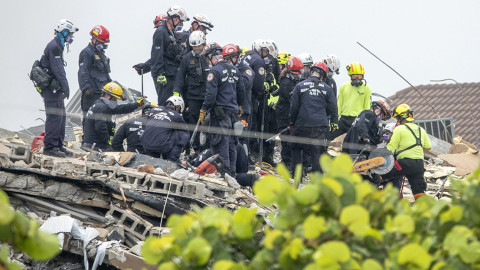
52	59
257	64
94	69
192	73
352	100
312	100
166	53
131	130
364	126
403	138
247	78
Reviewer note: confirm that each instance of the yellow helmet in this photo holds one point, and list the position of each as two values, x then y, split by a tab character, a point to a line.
403	111
283	57
244	50
355	68
114	90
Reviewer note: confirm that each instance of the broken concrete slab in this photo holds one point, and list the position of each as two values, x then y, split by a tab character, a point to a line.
465	163
439	146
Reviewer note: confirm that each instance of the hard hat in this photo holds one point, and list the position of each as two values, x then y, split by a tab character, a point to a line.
390	127
177	101
383	107
295	65
213	49
272	47
159	19
64	24
333	63
230	50
197	38
319	67
203	20
306	58
403	111
177	11
259	44
355	68
148	107
100	33
114	90
283	58
244	50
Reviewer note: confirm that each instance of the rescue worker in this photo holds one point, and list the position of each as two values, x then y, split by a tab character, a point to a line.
192	77
94	68
407	144
311	102
159	20
366	132
333	64
166	134
99	124
282	59
224	101
200	22
307	61
166	54
291	77
58	90
131	130
354	97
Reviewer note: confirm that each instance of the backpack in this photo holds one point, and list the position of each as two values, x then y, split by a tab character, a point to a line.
40	77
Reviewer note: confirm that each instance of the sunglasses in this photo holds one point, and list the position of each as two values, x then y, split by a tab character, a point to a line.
357	76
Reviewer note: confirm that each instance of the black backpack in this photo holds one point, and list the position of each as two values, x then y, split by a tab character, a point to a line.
40	77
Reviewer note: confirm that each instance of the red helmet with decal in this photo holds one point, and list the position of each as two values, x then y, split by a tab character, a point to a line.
100	33
230	50
159	19
295	65
320	66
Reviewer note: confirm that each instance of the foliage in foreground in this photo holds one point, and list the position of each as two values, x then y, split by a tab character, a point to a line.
20	232
337	221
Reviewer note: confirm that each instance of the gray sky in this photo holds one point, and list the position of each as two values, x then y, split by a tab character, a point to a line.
423	40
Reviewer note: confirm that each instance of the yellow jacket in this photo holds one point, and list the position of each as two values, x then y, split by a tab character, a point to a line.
353	100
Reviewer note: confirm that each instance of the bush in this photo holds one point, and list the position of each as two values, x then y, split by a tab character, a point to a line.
336	221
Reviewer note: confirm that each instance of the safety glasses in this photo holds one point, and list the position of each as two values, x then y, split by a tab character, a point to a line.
357	76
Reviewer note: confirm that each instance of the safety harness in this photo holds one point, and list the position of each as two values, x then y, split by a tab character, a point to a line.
417	143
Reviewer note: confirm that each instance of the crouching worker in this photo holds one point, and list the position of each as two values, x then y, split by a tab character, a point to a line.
99	126
131	130
166	133
365	132
407	144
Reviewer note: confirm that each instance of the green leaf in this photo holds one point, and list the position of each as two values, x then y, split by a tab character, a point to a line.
357	218
307	195
455	214
283	172
180	225
267	189
8	214
363	189
168	266
401	223
270	237
340	166
219	218
313	226
295	247
414	254
154	248
298	175
371	264
41	246
470	253
223	265
243	222
331	254
457	239
197	251
334	185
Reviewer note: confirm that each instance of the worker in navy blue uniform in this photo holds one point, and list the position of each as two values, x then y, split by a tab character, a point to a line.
58	90
289	78
99	126
307	61
166	134
311	102
224	101
200	22
94	68
166	54
191	79
131	130
365	131
333	64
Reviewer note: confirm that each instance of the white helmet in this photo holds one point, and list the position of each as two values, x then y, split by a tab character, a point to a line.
258	44
203	20
306	58
333	64
64	24
197	38
390	127
178	11
272	48
177	101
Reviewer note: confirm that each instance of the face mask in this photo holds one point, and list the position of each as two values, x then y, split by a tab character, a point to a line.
101	46
357	82
197	53
296	77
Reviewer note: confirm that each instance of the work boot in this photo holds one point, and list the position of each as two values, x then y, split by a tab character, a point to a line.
54	152
67	152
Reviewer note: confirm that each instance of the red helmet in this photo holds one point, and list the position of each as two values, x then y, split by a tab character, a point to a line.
213	49
295	65
320	66
230	50
159	20
100	33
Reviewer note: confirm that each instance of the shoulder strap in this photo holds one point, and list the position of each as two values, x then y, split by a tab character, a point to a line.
418	141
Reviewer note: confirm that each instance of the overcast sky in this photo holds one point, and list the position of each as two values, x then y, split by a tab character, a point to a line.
422	40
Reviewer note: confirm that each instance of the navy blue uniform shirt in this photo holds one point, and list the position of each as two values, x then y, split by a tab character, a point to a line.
94	69
52	59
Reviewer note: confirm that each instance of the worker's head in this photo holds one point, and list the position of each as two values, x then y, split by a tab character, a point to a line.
403	113
147	108
388	131
356	73
113	91
176	103
319	70
381	109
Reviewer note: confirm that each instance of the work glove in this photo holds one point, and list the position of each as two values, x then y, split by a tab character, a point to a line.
333	127
201	117
176	94
66	94
88	91
140	67
240	111
162	80
141	101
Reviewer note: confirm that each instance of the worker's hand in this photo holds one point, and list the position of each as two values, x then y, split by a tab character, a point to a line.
139	68
365	139
162	80
66	95
333	127
240	111
177	94
88	92
141	101
201	117
290	127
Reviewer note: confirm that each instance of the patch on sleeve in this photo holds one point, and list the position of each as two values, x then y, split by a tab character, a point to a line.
249	72
210	77
261	71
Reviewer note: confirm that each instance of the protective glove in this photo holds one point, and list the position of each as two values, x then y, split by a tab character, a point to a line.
240	111
88	91
66	95
266	87
176	94
333	127
162	80
141	101
201	117
140	67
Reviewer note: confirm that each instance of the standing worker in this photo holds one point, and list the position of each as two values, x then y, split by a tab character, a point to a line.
57	91
354	97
